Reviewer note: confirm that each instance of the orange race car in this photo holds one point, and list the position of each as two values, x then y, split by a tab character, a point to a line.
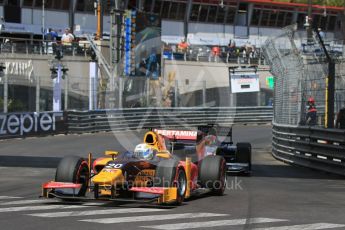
168	167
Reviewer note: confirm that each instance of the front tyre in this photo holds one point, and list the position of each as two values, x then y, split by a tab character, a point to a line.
168	174
75	170
212	174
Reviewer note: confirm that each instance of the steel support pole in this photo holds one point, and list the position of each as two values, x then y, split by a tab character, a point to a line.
66	93
5	93
147	92
120	92
204	94
310	28
330	94
176	104
43	23
71	15
38	89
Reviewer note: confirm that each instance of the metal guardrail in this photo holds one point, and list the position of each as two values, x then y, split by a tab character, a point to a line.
312	147
139	118
19	125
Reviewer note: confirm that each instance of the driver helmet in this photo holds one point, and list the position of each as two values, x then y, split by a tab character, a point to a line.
144	151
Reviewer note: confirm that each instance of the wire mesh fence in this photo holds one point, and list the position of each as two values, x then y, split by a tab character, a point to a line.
36	93
301	72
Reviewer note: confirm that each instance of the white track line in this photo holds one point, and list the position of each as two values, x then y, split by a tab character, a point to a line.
42	207
97	212
216	223
9	197
152	218
304	227
21	202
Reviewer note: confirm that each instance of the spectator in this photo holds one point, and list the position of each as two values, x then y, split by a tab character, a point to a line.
67	38
215	52
231	47
152	66
50	38
311	113
51	35
322	34
2	24
340	121
182	48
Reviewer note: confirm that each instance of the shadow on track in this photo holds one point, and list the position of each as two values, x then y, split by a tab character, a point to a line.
292	171
29	161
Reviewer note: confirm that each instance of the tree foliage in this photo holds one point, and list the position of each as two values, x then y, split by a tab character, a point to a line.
319	2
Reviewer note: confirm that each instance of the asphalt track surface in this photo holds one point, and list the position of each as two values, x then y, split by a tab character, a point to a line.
276	197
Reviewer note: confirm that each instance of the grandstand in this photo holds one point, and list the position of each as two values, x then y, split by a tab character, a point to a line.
242	20
206	24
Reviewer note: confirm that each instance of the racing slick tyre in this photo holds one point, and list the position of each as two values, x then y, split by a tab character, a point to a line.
73	169
212	174
244	155
169	175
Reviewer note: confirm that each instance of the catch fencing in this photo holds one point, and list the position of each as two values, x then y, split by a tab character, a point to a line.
301	72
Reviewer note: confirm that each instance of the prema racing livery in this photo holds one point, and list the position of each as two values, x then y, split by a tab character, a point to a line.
168	167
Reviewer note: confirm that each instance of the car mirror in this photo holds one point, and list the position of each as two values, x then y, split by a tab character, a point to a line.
111	153
164	154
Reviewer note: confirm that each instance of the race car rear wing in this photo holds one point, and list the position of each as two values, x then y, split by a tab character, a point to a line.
177	134
195	135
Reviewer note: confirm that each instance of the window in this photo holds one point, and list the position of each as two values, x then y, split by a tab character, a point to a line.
173	10
27	3
301	20
89	5
288	19
147	5
165	9
231	15
331	23
265	17
194	13
212	13
181	11
203	13
157	7
80	5
57	4
65	4
221	15
280	20
323	22
38	3
13	2
255	17
48	4
273	18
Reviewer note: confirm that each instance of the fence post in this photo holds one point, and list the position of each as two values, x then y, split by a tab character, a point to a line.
204	94
120	92
147	92
176	104
38	89
5	93
66	93
259	99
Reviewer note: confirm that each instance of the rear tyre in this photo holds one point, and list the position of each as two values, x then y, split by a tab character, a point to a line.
244	155
212	174
73	169
169	175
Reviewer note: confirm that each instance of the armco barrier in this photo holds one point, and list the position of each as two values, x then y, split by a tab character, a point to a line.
14	125
317	148
138	118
